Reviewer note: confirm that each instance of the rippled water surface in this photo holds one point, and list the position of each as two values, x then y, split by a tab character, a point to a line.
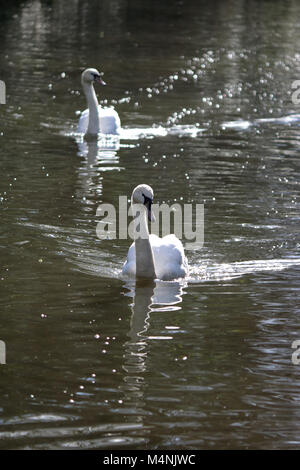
204	92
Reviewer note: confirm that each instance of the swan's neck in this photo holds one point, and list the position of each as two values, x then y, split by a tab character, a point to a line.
144	255
94	121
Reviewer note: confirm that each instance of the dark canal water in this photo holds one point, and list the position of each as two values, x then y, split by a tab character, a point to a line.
204	92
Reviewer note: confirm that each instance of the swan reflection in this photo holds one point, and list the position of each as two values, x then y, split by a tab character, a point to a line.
100	155
99	150
148	297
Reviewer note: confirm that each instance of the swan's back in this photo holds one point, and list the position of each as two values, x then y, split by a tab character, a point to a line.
169	258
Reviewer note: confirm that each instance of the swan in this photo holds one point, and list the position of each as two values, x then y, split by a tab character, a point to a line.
150	256
96	119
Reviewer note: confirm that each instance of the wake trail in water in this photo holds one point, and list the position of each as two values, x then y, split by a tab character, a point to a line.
244	125
227	271
73	243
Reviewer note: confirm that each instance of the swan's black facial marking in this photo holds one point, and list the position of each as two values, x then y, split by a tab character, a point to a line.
147	203
147	199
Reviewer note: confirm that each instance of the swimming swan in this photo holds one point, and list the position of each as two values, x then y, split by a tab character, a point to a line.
96	119
150	256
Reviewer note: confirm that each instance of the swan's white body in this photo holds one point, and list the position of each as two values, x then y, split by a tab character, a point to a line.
109	121
95	119
153	257
169	258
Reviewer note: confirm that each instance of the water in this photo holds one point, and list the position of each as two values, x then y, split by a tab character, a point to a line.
204	92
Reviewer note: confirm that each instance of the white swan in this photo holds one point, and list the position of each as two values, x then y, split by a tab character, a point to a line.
150	256
96	119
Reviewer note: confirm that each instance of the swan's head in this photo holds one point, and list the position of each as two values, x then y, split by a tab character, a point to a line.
143	194
90	76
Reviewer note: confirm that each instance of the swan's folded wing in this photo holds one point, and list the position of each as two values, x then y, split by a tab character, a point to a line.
109	121
169	258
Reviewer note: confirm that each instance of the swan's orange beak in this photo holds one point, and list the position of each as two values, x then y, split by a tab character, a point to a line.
99	80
